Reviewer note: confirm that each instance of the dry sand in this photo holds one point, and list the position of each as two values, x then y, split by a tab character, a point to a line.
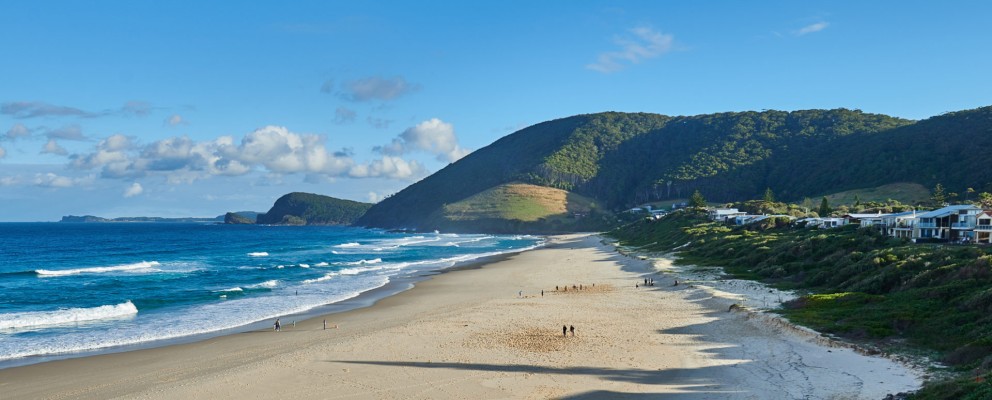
467	334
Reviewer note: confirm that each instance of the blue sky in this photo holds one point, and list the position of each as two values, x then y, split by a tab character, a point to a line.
126	108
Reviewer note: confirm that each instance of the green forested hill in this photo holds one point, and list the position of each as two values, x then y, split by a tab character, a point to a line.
312	209
623	159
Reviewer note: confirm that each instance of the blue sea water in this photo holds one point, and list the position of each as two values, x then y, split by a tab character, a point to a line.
69	288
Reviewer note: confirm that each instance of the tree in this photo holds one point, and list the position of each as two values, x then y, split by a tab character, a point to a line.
697	200
939	196
769	196
807	205
985	200
824	207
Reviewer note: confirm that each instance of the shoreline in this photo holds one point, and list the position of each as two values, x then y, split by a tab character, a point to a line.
397	284
467	333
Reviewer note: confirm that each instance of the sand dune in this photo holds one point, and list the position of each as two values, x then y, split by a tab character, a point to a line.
469	334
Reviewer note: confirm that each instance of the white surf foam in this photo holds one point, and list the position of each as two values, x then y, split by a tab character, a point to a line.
66	316
346	245
258	254
233	289
321	264
144	265
364	262
267	284
304	265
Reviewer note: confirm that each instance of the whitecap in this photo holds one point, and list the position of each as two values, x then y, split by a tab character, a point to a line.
144	265
66	315
258	254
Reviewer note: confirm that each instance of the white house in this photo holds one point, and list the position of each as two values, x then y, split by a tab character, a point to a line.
722	214
983	227
954	223
900	225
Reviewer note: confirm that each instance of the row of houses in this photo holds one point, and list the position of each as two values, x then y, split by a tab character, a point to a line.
962	223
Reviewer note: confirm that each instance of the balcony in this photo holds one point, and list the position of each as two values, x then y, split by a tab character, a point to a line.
962	225
983	227
927	224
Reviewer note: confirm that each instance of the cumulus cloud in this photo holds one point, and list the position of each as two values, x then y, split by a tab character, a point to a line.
374	197
53	147
811	28
433	136
388	167
9	181
644	43
17	131
344	115
377	88
52	180
272	149
133	190
175	120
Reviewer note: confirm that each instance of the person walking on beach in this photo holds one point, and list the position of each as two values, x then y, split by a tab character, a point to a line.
572	328
325	324
276	326
542	292
564	331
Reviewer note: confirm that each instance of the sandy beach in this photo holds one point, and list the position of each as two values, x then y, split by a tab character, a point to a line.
471	334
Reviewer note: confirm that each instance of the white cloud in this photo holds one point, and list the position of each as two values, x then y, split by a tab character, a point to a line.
374	197
3	152
52	180
52	147
8	181
18	131
272	149
175	120
133	190
377	88
646	43
388	167
433	136
819	26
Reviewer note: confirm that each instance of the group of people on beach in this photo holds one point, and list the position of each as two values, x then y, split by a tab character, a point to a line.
574	287
647	282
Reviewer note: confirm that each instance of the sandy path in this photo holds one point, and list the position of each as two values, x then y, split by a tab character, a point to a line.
467	334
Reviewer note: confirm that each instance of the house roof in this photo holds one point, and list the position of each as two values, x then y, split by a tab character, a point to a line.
940	212
863	216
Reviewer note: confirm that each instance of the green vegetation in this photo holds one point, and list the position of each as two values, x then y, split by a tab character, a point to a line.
620	160
861	285
312	209
237	219
519	207
905	193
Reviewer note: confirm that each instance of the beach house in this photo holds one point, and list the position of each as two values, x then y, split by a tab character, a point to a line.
951	223
983	227
899	225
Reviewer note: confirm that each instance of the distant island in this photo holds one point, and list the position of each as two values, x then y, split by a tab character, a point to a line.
91	218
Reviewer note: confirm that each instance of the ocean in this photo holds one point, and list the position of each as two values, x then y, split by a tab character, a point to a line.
70	289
